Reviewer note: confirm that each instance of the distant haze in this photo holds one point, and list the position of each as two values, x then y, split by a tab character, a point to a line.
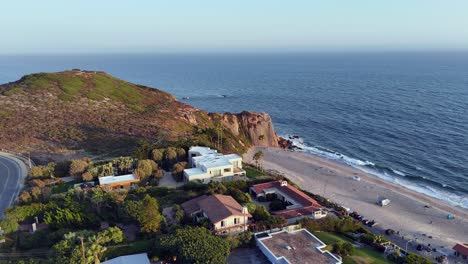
105	26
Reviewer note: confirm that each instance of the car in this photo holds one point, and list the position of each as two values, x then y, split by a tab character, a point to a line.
389	232
419	247
372	223
365	221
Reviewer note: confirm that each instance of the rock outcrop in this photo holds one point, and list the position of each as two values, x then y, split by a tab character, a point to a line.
256	127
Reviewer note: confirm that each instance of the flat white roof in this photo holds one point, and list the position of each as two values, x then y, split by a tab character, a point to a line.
232	156
129	259
116	179
203	150
194	171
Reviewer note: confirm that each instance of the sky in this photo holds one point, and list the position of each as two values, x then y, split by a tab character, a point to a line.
139	26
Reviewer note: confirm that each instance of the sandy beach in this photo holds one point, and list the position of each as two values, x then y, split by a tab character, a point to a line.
411	213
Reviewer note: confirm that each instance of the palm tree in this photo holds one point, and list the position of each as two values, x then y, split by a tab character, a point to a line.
257	157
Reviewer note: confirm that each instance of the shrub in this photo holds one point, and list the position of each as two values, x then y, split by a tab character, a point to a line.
277	205
78	167
343	248
87	176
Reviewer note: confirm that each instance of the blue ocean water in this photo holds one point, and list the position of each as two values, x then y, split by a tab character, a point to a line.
401	116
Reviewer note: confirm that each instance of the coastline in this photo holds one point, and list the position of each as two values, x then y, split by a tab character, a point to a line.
411	213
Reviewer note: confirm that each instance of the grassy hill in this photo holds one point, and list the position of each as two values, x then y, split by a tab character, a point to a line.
92	112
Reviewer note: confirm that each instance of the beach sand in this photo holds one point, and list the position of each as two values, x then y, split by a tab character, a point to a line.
406	213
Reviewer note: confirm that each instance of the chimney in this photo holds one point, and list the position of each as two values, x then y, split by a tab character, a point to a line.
245	210
284	183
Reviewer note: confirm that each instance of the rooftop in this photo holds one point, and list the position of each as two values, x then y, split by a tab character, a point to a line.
129	259
117	179
308	205
202	150
461	248
212	160
217	207
299	247
194	171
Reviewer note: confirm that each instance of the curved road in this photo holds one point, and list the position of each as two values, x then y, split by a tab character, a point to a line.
12	174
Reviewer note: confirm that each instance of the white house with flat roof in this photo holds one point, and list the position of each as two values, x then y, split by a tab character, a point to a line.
207	165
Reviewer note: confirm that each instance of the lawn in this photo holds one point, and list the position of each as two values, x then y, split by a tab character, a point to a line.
362	255
253	173
135	247
63	187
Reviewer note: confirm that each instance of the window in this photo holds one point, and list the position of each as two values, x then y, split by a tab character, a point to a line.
227	170
222	224
236	221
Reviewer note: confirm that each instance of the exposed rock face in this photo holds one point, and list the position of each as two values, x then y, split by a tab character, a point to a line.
257	127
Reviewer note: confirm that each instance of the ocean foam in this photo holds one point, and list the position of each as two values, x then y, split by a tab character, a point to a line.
396	176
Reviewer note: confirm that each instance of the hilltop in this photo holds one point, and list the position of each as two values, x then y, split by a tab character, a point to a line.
92	112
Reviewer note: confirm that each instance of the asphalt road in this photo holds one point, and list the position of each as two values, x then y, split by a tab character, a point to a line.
12	173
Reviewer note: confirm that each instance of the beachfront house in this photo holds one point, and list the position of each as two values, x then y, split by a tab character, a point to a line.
461	250
207	165
118	182
297	203
224	213
294	247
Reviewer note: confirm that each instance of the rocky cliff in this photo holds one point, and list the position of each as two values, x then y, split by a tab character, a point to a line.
256	127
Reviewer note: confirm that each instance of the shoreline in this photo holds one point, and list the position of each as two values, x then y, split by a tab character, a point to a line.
411	213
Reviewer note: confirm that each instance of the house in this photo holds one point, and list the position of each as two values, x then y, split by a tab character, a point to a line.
129	259
118	182
461	250
294	247
298	204
207	165
224	213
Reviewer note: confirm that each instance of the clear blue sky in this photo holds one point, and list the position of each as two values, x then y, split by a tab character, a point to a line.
64	26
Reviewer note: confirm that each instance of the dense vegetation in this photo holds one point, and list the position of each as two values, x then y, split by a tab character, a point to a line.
74	110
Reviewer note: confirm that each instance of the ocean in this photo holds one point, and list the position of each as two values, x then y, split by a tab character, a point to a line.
400	116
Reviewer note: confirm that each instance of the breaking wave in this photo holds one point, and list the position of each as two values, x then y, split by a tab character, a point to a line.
419	184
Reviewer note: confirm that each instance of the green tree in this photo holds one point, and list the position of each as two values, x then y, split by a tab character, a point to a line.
257	157
146	167
157	155
178	170
146	212
97	198
215	187
170	157
195	245
181	154
85	247
343	248
8	225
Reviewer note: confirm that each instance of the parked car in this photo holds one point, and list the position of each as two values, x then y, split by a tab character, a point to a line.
372	223
389	232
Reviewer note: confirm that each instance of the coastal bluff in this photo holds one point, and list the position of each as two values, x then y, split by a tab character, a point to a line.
257	127
79	112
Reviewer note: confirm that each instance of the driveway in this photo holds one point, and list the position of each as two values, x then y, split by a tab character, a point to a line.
12	174
168	181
